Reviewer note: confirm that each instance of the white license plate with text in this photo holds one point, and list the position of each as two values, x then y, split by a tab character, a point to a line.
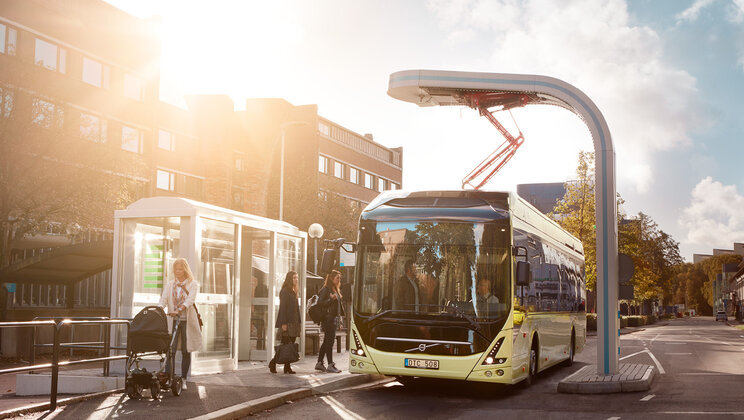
421	363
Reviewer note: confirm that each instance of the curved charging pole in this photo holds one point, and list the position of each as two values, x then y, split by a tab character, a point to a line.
433	87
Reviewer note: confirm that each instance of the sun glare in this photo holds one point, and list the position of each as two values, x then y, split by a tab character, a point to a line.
238	48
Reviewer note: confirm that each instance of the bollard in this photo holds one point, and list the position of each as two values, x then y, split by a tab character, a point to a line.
55	369
106	348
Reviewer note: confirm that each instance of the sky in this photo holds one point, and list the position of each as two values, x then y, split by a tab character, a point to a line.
668	76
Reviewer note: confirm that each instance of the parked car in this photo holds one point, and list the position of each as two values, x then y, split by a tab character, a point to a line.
721	316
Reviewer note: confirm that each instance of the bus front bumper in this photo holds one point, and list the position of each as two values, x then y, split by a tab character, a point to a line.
450	367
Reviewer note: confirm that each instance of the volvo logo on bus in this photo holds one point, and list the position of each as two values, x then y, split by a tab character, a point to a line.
422	347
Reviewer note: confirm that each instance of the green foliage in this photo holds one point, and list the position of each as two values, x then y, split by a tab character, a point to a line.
575	212
654	252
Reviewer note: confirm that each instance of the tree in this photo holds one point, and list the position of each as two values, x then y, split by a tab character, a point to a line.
50	174
575	212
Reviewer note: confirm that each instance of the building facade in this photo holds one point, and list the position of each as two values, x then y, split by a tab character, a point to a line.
79	88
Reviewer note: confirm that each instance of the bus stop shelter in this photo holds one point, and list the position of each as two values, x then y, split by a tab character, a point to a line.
240	261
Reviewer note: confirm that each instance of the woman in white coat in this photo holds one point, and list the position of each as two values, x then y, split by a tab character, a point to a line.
178	297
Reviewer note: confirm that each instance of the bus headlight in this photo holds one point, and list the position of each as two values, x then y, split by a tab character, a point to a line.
491	357
359	351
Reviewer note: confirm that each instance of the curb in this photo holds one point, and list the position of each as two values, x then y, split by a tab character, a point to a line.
253	406
272	401
35	408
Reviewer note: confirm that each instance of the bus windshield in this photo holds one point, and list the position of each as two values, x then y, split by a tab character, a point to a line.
435	268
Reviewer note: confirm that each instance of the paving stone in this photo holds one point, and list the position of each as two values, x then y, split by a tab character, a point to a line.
631	377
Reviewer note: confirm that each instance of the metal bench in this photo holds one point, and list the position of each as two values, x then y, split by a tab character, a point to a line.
313	332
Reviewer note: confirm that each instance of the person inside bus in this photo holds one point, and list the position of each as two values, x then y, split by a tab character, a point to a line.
429	292
406	294
483	298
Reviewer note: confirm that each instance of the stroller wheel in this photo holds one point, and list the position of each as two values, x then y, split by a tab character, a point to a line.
134	391
177	386
155	389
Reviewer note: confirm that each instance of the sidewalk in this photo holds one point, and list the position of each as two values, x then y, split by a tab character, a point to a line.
231	394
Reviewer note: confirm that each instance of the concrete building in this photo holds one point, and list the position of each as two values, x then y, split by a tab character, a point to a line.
543	196
737	249
85	74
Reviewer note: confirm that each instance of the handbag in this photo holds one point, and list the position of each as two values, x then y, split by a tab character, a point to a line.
287	353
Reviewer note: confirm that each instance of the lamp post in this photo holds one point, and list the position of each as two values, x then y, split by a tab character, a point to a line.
283	127
315	231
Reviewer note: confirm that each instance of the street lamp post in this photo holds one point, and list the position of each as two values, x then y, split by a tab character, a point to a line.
283	129
315	231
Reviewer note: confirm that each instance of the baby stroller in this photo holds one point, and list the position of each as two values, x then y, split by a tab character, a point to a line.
149	333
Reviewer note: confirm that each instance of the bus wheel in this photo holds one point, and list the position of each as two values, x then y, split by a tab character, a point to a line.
532	369
571	350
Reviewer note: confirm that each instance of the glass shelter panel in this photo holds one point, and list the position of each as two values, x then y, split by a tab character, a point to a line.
215	300
155	244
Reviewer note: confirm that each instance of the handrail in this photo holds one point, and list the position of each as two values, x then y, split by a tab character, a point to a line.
58	323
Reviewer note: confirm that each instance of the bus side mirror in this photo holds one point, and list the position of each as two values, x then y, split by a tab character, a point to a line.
524	273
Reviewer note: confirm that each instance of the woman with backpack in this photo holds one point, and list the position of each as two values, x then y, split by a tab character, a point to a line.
329	298
288	319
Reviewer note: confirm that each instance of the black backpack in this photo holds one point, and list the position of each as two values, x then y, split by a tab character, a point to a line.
314	310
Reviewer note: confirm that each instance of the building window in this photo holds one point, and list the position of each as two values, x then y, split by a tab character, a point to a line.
380	184
95	73
324	129
368	181
6	102
338	170
166	141
323	195
323	164
166	180
46	114
394	186
50	56
240	164
354	175
131	139
92	128
8	40
132	87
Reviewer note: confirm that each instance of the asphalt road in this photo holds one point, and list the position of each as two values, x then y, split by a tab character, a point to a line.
702	376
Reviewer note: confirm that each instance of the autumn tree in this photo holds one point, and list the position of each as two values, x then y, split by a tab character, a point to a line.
575	212
56	170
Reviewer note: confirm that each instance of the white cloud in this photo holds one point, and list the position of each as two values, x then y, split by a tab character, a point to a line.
736	11
691	13
714	217
649	105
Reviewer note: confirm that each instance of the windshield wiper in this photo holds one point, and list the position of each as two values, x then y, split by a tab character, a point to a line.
378	315
462	314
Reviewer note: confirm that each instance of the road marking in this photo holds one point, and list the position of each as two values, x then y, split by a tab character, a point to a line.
613	418
633	354
648	397
714	413
340	409
656	361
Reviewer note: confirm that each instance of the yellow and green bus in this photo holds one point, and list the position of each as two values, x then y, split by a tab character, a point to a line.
469	285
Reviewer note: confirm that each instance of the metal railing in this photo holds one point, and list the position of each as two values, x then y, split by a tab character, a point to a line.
57	324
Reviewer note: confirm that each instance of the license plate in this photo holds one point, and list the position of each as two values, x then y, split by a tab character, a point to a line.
421	363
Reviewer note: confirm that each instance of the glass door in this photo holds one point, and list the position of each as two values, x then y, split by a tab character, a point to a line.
215	299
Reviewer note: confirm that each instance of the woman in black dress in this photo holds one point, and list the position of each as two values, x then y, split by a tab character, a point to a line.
288	319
